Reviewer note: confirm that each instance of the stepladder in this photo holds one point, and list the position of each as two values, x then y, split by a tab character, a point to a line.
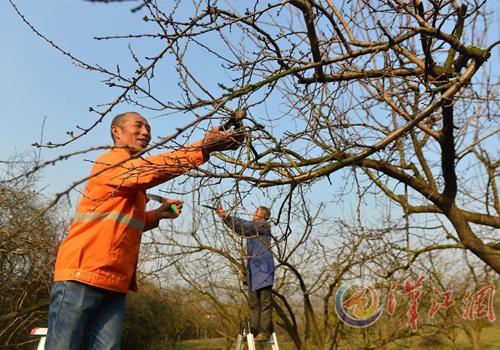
40	332
246	336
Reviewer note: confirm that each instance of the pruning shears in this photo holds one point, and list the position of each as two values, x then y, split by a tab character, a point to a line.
235	120
154	197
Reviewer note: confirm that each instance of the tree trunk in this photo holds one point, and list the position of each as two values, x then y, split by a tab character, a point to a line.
474	337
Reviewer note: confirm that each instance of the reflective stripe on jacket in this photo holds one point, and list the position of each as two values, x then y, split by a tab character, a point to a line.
102	246
260	258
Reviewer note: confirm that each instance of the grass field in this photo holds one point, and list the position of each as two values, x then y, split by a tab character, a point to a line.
490	340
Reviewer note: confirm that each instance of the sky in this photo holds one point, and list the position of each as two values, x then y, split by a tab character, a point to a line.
45	93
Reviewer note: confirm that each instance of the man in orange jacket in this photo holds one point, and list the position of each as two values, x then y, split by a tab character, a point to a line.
96	263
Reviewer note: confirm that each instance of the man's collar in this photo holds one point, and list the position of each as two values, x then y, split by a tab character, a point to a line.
127	151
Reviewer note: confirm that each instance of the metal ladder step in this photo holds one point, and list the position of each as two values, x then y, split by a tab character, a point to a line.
246	336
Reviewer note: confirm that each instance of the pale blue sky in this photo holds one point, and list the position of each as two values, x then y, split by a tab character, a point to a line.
40	83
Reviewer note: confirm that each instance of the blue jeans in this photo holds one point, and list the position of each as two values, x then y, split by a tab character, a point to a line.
80	314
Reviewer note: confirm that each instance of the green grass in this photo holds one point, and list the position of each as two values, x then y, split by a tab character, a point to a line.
202	344
490	340
219	344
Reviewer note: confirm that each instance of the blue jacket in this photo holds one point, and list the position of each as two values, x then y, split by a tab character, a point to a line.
260	272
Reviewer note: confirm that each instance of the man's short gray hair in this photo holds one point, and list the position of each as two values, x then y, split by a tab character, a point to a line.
118	121
266	211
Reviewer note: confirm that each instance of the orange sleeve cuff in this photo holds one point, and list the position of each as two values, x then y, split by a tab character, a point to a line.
151	220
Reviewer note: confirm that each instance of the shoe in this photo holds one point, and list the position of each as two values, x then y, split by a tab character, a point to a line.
262	338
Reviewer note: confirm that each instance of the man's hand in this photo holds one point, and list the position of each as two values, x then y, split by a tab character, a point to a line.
236	120
221	212
222	138
170	209
216	140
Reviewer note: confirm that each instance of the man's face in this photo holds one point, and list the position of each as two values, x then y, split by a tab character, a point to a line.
134	132
260	214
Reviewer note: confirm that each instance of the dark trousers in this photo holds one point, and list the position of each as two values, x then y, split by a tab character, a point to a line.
261	310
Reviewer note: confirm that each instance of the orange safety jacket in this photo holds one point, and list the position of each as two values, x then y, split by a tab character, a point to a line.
102	246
